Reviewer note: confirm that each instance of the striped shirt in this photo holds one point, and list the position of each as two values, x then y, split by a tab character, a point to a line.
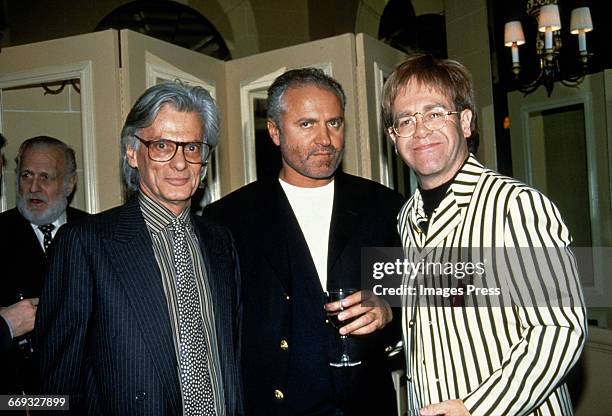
506	359
159	223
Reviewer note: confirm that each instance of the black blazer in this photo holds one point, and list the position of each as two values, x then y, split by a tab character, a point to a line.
5	337
103	328
22	258
22	268
287	346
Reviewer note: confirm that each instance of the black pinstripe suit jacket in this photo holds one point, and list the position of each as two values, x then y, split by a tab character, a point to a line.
103	330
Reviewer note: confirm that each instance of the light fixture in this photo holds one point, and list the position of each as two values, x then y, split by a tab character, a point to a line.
548	44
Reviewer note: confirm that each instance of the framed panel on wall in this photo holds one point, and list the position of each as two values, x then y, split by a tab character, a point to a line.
559	147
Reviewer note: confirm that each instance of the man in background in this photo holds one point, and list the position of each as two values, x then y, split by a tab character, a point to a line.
14	321
299	234
46	177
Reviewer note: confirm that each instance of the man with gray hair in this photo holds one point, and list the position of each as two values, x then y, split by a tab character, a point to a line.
45	179
140	313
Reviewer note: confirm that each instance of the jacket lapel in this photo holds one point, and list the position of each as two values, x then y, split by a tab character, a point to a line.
29	237
452	210
444	221
343	221
136	267
276	228
220	278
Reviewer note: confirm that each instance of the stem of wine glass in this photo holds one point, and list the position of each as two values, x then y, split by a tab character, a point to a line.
345	357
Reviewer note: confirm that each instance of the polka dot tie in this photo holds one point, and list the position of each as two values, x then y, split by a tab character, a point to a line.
195	377
46	230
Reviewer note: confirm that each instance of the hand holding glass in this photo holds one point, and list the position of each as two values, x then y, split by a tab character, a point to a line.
332	316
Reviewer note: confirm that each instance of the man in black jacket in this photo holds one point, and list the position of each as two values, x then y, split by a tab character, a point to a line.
298	235
46	171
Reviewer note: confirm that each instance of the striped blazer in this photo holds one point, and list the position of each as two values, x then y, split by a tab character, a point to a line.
508	358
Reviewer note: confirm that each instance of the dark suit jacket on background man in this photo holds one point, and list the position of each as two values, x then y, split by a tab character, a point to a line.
46	172
24	265
22	257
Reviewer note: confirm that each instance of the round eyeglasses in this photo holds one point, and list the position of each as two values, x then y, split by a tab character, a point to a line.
163	150
433	119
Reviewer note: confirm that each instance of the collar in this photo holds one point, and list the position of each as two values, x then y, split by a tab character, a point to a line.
321	189
157	217
59	221
459	192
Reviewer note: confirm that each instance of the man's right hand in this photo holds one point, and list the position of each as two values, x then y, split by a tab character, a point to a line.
21	316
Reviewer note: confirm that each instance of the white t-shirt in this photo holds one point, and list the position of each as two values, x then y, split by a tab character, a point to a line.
313	208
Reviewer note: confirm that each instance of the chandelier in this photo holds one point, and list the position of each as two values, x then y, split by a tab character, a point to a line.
548	45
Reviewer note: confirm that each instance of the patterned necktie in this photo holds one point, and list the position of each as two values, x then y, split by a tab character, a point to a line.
46	230
195	377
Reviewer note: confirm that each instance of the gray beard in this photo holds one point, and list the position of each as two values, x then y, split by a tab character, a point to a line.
53	211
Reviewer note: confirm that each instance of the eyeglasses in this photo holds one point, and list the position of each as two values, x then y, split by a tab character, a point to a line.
433	119
163	150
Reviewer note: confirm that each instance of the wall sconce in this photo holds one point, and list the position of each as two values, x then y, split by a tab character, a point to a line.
548	44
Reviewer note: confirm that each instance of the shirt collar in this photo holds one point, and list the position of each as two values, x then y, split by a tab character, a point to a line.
461	188
59	221
157	217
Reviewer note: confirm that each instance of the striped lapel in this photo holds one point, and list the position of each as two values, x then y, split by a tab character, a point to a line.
408	220
443	221
447	217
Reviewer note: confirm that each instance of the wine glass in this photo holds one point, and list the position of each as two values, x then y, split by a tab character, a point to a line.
333	296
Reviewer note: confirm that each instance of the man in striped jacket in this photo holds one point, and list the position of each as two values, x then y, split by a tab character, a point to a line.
505	351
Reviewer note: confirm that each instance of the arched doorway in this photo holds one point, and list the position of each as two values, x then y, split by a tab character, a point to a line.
171	22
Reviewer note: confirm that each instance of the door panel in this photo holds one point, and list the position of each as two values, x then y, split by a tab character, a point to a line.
559	147
84	112
375	62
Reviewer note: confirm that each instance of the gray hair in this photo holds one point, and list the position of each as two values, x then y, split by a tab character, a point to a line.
182	98
297	78
46	142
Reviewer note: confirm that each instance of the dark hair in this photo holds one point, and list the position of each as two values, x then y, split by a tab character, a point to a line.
296	78
181	97
2	141
446	76
47	141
